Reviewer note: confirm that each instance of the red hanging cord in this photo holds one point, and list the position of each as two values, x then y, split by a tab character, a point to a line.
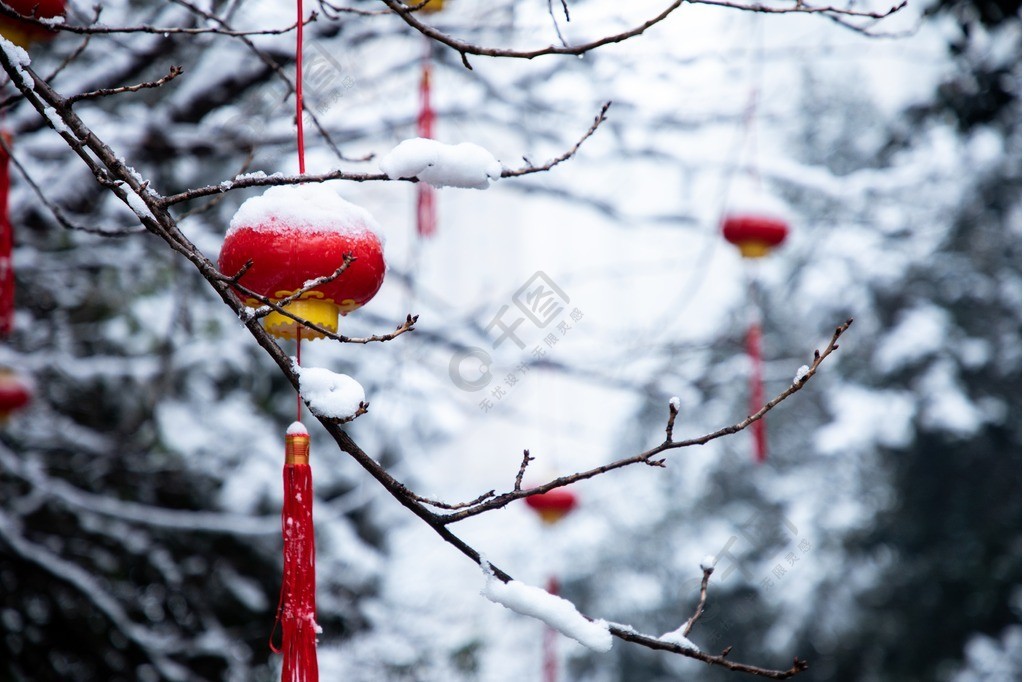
296	608
6	243
426	201
298	89
757	389
551	641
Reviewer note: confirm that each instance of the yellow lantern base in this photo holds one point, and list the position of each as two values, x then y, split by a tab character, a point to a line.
318	311
432	6
14	33
754	249
550	516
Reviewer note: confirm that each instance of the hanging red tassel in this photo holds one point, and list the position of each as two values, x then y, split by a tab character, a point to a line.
757	391
426	205
296	610
6	244
551	640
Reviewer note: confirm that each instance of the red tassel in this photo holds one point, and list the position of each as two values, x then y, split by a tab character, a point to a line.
757	391
426	210
426	205
551	641
6	244
425	120
296	610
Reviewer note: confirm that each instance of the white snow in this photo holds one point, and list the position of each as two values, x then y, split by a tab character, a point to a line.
674	402
747	197
332	395
558	613
55	120
254	175
676	637
135	202
442	165
297	429
19	57
708	562
310	207
801	372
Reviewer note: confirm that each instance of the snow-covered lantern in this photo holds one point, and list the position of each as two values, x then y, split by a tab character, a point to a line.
295	234
24	33
554	505
755	222
15	393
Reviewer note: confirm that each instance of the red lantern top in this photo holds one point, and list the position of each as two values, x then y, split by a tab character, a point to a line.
294	234
24	33
553	505
756	223
15	393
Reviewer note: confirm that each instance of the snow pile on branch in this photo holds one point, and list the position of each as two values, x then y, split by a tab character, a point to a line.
679	639
442	165
331	395
19	58
310	207
560	614
801	372
748	198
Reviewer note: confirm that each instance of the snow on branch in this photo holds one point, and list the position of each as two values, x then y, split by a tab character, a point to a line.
259	179
558	613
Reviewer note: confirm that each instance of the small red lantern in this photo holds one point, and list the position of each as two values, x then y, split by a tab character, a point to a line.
15	393
294	234
24	33
756	223
553	505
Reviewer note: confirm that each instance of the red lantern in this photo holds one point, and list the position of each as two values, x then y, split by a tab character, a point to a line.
553	505
24	33
755	235
15	393
294	234
756	223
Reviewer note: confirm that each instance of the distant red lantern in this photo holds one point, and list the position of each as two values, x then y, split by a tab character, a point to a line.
295	234
24	33
554	505
754	235
756	223
15	393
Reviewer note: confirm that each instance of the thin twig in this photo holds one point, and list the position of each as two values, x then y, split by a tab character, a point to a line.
466	48
708	570
648	457
522	470
446	505
55	210
673	412
347	260
158	30
601	117
174	72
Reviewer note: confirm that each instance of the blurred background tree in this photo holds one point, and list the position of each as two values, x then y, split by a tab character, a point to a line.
139	530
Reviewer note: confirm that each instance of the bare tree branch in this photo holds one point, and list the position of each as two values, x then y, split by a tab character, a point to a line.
466	48
174	72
